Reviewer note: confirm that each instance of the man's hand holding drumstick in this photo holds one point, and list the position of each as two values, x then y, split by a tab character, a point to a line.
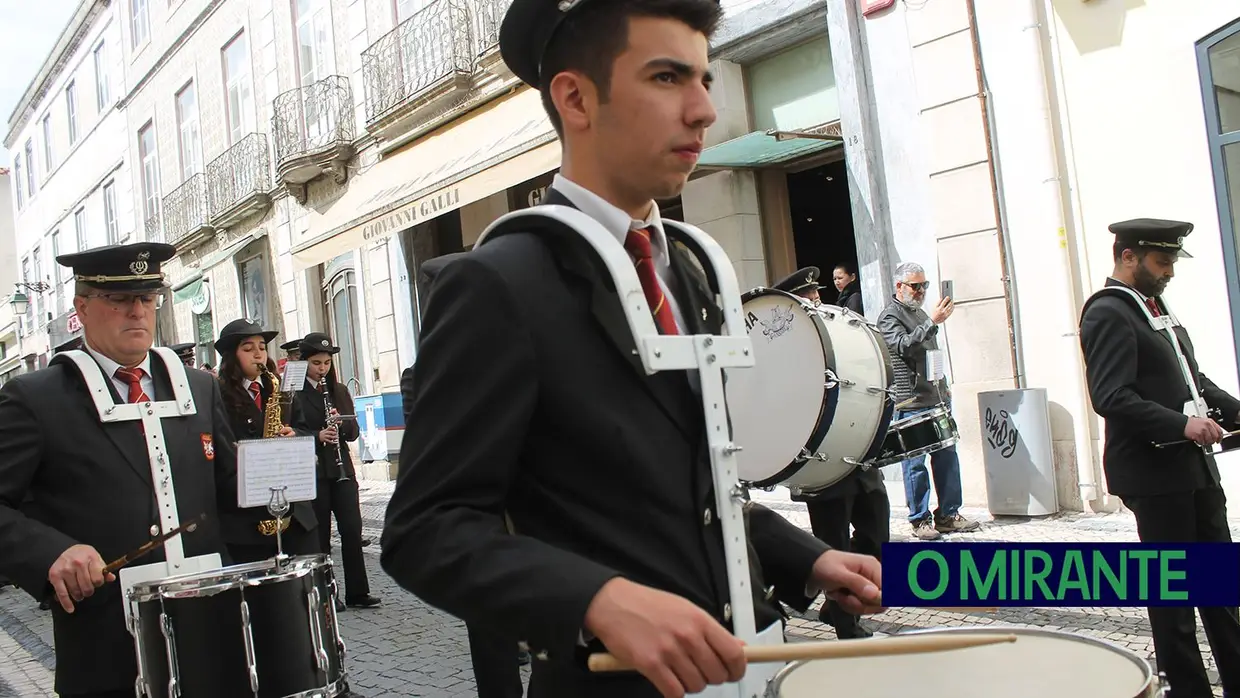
682	649
76	574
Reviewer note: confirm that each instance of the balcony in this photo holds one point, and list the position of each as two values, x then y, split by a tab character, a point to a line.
313	132
239	181
153	231
488	16
420	69
186	215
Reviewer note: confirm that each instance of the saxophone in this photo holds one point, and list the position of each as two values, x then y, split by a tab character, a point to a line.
273	423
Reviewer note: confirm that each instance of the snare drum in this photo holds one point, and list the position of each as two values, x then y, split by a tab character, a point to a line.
257	629
1040	663
918	435
817	402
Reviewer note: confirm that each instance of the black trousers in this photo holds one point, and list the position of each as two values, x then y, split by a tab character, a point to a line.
1199	516
100	694
496	670
295	541
869	513
341	499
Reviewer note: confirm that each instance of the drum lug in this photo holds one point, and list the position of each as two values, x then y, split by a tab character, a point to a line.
247	635
832	381
1164	688
856	463
336	619
806	455
170	644
316	630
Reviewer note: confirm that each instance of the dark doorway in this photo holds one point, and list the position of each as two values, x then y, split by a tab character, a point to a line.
822	227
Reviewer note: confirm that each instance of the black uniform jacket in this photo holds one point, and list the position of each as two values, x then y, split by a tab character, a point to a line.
90	483
247	422
527	400
1136	385
311	414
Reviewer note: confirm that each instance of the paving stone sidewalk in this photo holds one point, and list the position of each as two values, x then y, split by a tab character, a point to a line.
405	648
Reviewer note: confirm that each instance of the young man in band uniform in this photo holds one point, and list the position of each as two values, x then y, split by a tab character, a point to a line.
1137	385
530	415
76	493
859	501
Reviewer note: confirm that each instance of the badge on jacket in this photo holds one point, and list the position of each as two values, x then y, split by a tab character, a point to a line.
208	447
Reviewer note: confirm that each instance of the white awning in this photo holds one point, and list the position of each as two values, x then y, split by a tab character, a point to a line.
500	146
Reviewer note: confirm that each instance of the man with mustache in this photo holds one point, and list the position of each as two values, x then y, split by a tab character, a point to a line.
911	334
76	492
1138	385
549	489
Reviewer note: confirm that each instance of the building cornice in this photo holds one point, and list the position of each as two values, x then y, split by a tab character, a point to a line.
70	39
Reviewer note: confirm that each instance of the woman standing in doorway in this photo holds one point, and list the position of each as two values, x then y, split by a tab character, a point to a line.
322	401
846	283
245	389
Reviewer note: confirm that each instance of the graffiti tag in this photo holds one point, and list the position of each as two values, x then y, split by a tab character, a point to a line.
1001	434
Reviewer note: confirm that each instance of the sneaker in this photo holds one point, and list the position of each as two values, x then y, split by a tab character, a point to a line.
925	530
956	524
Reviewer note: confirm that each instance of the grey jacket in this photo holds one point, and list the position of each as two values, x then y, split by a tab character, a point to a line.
909	332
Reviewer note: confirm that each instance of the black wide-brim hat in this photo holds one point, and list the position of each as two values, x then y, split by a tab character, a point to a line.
120	268
291	346
527	30
317	343
236	331
185	349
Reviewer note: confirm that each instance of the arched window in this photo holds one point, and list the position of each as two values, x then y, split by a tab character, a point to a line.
1218	59
341	292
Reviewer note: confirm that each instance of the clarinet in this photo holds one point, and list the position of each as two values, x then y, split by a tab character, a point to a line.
334	423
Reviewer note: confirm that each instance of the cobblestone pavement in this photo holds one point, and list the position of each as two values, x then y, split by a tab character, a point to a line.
405	648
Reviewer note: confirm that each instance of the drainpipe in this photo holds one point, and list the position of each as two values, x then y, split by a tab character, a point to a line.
1015	343
1044	158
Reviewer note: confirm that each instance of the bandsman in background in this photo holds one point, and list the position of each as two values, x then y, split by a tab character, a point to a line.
185	351
857	503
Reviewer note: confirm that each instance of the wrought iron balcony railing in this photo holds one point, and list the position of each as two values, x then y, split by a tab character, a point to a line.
152	229
433	45
240	174
488	15
313	118
185	209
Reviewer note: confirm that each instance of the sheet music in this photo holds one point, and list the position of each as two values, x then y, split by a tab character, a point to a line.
294	376
935	369
280	462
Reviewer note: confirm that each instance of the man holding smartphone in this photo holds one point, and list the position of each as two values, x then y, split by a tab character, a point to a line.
912	337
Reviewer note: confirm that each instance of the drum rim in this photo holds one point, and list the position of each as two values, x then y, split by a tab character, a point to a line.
831	396
1143	665
225	578
889	409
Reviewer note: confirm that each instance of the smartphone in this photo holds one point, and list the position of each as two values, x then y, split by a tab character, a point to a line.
946	290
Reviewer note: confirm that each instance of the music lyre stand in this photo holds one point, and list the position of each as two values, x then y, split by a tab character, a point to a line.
707	354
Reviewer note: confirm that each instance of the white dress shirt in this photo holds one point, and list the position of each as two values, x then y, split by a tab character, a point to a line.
109	368
619	223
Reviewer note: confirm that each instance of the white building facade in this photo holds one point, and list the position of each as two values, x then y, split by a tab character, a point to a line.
70	179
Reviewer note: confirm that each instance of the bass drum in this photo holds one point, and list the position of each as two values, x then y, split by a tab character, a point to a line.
817	402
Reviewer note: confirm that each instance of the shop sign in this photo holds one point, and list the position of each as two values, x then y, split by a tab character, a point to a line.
409	216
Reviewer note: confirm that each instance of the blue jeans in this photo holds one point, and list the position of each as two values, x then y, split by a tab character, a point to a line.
945	465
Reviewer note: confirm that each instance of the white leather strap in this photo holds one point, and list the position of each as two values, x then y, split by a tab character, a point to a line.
150	414
1166	324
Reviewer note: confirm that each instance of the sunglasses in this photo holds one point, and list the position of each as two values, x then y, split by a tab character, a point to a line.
919	286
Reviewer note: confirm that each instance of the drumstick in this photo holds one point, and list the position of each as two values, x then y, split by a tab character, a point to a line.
1187	441
833	649
188	527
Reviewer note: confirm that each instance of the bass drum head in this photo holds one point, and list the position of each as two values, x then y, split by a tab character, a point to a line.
780	405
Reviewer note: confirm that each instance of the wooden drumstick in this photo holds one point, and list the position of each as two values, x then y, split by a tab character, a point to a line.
834	649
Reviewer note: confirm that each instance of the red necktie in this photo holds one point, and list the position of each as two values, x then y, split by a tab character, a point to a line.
638	245
133	378
257	391
1153	306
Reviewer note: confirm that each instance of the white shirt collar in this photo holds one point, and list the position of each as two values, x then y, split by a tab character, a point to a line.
313	383
616	221
109	366
246	382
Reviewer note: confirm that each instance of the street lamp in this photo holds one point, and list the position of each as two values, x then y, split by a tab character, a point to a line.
19	302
